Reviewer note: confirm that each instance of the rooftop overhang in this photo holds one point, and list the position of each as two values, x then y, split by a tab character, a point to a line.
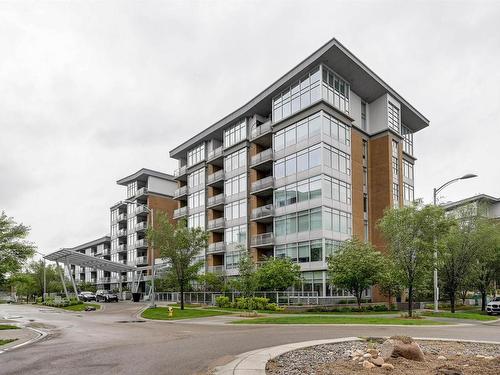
99	241
69	256
476	198
142	175
364	82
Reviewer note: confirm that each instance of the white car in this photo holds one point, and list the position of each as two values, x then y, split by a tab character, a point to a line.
493	307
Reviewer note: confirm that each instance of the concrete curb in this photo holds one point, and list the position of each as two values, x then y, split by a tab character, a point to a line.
41	335
254	362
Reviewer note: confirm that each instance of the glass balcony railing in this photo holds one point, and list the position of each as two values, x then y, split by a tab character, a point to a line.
262	239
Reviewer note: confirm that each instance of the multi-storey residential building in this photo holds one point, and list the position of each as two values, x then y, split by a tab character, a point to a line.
309	162
148	193
99	248
481	205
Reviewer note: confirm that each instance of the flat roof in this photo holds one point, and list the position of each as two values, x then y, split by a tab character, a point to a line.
70	256
363	81
142	175
86	245
479	197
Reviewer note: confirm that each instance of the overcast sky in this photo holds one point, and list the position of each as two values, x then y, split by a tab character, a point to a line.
92	91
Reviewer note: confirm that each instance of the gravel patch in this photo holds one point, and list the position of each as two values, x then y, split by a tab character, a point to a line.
333	359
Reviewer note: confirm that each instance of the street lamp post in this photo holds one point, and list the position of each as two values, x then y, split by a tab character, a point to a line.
435	193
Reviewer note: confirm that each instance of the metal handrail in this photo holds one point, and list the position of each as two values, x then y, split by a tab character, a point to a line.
263	183
178	212
181	191
141	191
141	260
216	223
142	225
263	239
263	211
141	242
260	130
265	155
180	171
215	153
217	199
215	176
216	247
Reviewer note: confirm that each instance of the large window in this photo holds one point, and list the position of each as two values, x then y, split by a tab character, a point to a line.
395	195
393	117
235	210
407	170
236	234
235	134
336	129
297	96
235	160
196	220
196	155
335	90
363	115
131	189
233	260
301	252
408	194
336	159
337	221
235	185
196	178
395	161
297	222
407	140
298	162
196	199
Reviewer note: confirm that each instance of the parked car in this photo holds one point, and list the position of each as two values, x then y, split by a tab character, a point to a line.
493	307
86	296
105	296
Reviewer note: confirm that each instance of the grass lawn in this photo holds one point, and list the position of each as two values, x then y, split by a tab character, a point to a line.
7	326
6	341
474	315
161	313
81	307
230	309
336	320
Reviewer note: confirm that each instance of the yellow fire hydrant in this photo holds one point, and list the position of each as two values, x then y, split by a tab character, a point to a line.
170	312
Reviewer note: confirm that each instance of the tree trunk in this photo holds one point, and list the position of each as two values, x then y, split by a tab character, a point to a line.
410	300
483	301
452	302
358	299
182	294
464	296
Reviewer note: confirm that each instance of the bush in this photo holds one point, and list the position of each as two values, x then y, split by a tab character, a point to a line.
273	307
64	302
251	303
223	301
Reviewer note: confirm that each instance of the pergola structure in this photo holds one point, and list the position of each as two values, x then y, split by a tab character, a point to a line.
68	257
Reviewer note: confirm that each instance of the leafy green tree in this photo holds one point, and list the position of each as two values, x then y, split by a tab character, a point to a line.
412	233
87	287
356	266
24	284
179	246
14	249
277	274
212	282
389	281
246	282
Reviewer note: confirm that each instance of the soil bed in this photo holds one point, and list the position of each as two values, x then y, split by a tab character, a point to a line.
334	359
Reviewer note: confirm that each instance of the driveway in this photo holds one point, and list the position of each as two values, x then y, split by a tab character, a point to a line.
110	342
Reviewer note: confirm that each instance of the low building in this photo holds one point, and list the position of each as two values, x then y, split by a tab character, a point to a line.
481	204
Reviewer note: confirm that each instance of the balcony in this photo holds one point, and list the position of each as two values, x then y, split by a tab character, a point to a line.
123	261
181	173
181	192
262	186
141	261
215	269
214	155
264	213
141	243
141	192
260	130
262	240
263	160
103	280
106	251
142	226
142	209
217	247
216	225
121	248
121	233
216	201
120	218
215	177
180	212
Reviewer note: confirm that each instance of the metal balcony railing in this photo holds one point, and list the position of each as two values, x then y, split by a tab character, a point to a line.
216	223
216	269
106	251
141	191
262	239
141	243
214	177
180	171
180	212
121	248
141	226
121	232
141	209
104	280
216	247
218	199
179	192
264	211
264	183
266	155
260	130
141	260
213	154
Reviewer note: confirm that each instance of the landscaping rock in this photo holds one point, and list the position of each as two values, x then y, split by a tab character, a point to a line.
368	365
379	361
402	347
448	371
387	366
367	355
442	358
90	308
373	352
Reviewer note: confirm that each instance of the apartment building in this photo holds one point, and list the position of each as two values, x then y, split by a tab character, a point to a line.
311	161
481	205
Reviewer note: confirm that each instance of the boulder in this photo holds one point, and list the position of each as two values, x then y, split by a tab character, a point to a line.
367	355
441	358
379	361
373	352
368	365
387	366
402	347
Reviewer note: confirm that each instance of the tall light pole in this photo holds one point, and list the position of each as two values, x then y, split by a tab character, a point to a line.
151	212
435	193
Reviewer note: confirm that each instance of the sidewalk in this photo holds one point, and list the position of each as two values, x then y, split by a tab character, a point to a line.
22	336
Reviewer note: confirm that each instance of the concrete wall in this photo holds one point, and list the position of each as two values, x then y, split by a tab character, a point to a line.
161	186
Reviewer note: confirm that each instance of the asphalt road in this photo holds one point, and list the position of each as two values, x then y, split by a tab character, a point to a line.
101	343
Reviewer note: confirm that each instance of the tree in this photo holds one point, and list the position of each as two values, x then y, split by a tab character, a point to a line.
24	284
179	246
212	282
356	266
389	282
412	232
14	249
247	281
87	287
278	274
486	266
